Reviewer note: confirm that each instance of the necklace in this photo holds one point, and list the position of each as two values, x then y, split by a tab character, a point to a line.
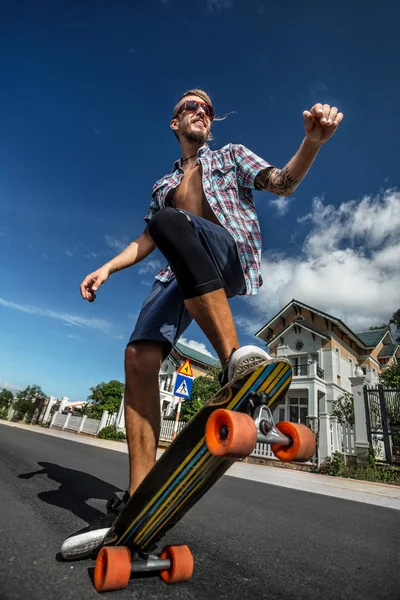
185	159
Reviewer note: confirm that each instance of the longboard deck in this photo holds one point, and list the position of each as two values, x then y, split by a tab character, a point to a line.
187	469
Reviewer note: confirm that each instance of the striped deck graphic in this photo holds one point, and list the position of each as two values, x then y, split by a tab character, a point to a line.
187	469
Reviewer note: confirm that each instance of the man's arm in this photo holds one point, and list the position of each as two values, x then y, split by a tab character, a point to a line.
134	253
319	124
284	181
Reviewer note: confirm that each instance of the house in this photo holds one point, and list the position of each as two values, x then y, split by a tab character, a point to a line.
324	353
200	363
71	407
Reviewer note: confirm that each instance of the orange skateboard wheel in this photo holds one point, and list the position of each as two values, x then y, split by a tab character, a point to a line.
113	568
182	564
231	434
303	443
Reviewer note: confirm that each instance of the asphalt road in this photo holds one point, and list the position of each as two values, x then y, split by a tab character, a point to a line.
249	540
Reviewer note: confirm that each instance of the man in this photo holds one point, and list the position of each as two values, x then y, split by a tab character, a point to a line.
202	218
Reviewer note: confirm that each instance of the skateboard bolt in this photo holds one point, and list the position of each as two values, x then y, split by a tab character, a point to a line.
223	432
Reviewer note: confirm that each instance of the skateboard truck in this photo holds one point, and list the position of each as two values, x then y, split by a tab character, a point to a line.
150	563
267	433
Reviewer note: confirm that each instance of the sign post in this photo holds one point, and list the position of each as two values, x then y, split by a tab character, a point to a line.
183	387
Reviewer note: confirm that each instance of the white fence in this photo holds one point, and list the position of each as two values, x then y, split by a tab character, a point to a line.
331	436
167	429
82	424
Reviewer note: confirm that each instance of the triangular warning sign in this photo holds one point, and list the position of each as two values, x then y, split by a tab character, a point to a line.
186	369
182	389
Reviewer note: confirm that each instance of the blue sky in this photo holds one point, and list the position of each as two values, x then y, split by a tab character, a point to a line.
86	96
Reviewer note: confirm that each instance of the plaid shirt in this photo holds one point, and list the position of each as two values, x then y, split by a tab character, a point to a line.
228	181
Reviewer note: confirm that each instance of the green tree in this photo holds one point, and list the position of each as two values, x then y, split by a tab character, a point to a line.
105	396
395	320
6	399
343	409
27	400
390	378
204	388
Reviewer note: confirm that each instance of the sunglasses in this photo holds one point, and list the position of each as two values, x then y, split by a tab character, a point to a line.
193	106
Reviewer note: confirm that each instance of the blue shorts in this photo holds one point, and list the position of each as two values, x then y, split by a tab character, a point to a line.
163	316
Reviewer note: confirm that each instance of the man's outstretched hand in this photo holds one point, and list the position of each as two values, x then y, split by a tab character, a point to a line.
92	282
321	122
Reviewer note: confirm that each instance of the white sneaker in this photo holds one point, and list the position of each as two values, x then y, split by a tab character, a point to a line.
242	360
83	545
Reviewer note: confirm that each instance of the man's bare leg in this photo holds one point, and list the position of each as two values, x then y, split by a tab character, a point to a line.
142	407
213	315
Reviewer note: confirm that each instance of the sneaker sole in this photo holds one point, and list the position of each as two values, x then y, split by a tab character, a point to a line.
248	364
83	545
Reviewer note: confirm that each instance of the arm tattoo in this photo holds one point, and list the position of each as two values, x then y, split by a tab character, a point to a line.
277	181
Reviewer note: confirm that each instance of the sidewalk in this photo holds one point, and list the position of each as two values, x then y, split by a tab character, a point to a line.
387	496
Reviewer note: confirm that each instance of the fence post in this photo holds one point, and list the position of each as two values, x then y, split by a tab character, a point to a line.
335	435
53	418
103	421
66	420
385	427
324	438
360	418
82	423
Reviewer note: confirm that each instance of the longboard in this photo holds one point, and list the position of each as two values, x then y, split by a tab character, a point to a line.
184	473
187	469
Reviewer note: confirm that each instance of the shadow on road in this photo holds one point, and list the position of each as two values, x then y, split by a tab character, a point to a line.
75	489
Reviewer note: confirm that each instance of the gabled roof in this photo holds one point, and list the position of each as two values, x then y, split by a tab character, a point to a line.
372	337
334	320
187	352
388	350
297	324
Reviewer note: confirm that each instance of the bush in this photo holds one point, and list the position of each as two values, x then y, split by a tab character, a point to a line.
336	467
4	414
110	433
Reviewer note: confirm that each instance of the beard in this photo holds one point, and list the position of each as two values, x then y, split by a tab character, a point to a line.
194	136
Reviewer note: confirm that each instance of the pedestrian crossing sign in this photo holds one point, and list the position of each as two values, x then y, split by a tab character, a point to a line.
183	386
186	369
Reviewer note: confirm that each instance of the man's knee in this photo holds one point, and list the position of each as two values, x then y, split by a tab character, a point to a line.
165	222
143	359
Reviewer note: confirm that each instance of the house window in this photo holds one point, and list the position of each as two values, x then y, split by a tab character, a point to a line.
168	386
166	382
298	409
351	368
299	365
299	345
280	413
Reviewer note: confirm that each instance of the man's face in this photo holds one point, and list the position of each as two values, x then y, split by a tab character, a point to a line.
194	126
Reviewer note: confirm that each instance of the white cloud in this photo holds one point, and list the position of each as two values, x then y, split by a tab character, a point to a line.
71	336
149	266
198	346
9	386
219	5
67	319
69	253
349	265
281	203
116	244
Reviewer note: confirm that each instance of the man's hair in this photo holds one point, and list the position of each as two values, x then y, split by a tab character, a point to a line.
200	94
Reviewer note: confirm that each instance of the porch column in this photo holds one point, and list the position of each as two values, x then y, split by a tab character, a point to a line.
312	400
